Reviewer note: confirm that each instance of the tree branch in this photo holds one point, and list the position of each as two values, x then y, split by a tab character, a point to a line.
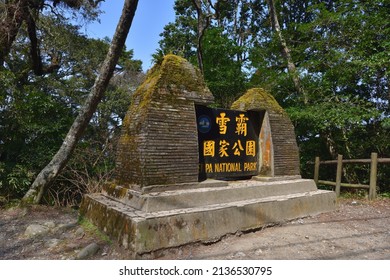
35	52
51	171
286	52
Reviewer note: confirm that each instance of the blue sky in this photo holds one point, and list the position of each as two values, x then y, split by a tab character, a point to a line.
150	18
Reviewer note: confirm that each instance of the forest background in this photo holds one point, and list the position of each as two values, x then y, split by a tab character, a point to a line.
326	62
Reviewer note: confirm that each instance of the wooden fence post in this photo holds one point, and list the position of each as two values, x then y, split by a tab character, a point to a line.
316	170
373	174
339	174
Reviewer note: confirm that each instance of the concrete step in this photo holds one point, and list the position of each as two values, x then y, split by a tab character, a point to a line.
142	231
210	194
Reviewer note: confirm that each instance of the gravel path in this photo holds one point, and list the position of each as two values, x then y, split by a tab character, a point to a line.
357	229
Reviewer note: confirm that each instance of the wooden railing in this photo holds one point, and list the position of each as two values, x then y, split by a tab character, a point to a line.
338	184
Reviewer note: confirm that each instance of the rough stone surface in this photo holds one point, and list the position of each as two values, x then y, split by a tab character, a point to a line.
209	195
285	151
66	227
142	232
35	229
159	143
50	224
52	243
88	251
79	233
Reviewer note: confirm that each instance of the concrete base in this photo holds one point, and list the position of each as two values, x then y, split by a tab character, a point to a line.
276	178
148	222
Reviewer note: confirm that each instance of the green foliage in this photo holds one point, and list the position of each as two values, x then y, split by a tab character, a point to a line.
224	53
341	51
19	180
37	111
92	229
222	70
385	195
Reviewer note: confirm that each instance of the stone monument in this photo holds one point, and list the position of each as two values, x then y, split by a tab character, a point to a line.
186	172
279	151
159	144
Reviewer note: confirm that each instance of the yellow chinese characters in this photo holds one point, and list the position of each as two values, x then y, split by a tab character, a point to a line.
241	127
237	147
250	148
223	148
210	147
222	123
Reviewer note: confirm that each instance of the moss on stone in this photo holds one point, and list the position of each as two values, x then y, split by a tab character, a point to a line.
174	73
112	189
285	149
89	227
170	86
177	71
128	142
258	99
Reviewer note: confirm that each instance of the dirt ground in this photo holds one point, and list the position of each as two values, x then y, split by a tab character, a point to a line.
357	229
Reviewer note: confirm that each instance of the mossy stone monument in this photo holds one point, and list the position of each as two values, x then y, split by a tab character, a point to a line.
279	155
159	144
178	168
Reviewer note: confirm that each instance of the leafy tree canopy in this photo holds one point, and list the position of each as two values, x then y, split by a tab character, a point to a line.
341	52
36	111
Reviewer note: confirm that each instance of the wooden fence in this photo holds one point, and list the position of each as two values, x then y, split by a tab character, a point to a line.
338	184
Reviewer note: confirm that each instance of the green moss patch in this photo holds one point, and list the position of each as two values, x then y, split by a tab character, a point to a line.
258	99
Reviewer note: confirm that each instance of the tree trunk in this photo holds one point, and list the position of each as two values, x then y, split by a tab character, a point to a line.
13	14
202	26
286	51
50	172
